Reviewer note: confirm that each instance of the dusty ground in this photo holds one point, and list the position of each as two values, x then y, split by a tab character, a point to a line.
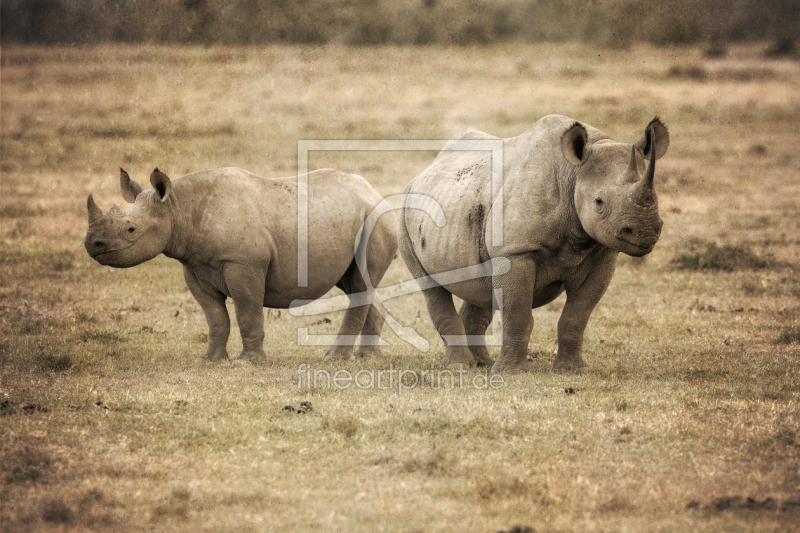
687	418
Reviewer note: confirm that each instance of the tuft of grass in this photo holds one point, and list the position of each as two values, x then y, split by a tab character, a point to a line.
437	464
22	229
746	74
41	260
789	335
85	318
58	512
690	72
576	73
20	210
699	73
502	487
102	336
348	426
53	363
176	507
26	465
726	258
91	497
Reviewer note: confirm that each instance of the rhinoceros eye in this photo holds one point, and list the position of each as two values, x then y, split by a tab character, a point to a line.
130	230
598	204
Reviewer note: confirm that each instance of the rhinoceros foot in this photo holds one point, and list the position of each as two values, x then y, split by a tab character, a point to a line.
369	351
457	357
203	360
213	356
481	355
521	367
339	353
569	365
251	357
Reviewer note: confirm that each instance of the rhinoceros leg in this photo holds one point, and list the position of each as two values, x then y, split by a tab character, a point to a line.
219	323
381	251
246	286
440	306
372	328
354	318
367	320
476	320
517	292
581	300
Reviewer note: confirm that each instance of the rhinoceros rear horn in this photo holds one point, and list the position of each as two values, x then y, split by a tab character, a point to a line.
94	211
573	144
161	183
130	189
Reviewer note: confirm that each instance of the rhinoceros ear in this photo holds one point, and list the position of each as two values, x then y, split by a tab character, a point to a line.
573	144
161	184
130	189
644	144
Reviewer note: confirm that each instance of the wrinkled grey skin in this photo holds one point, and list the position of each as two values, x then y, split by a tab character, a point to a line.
572	200
236	236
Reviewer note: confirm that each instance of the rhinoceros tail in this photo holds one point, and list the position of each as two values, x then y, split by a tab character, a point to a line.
376	244
406	246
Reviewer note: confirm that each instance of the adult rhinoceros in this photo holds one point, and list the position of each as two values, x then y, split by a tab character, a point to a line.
572	199
236	235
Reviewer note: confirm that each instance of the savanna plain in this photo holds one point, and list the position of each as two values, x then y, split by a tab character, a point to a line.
686	419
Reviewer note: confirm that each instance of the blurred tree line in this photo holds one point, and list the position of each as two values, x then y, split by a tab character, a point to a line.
607	23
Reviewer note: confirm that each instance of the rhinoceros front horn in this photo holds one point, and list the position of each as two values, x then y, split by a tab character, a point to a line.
644	191
651	167
94	211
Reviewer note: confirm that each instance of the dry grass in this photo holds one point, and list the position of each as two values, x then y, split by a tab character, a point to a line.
690	406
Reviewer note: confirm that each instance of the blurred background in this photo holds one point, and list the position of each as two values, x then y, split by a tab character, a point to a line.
608	23
693	350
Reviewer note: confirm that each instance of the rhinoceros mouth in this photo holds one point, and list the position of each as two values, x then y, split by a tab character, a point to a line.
636	250
104	258
107	257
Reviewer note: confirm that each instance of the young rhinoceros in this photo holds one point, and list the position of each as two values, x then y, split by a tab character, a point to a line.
236	235
572	199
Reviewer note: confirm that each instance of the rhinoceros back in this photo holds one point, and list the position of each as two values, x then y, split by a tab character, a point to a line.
536	199
458	182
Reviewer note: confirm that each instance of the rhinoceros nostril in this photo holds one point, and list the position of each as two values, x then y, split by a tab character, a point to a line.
626	233
98	244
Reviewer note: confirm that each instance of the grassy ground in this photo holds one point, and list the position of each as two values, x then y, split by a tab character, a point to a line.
687	419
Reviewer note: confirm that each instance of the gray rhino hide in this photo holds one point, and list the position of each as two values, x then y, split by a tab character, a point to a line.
235	234
572	200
